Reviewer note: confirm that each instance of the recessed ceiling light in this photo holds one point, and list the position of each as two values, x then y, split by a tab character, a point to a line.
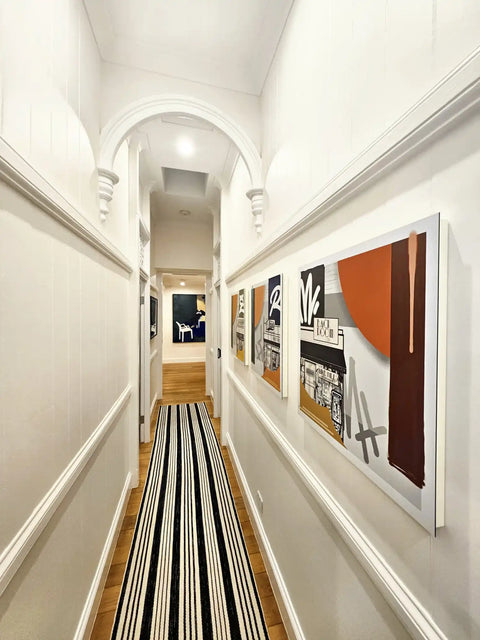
182	283
185	147
185	212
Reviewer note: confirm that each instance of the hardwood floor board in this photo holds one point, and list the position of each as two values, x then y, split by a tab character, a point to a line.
102	628
129	522
183	382
115	575
120	555
247	528
263	584
271	611
251	544
277	632
109	599
256	561
243	515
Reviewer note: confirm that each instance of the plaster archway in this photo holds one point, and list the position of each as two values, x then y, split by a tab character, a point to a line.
118	128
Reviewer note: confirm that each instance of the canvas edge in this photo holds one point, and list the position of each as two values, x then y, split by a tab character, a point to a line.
441	373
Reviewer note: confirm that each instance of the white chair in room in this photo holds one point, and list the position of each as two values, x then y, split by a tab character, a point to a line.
182	330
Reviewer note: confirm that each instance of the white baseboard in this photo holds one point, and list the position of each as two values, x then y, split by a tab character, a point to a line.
183	360
152	406
287	611
410	611
87	619
17	550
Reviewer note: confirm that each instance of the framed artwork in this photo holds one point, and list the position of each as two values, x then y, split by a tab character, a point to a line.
368	360
266	339
238	336
188	317
153	317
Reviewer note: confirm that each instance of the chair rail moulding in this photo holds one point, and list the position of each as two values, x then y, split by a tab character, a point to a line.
19	547
21	176
455	96
406	605
118	127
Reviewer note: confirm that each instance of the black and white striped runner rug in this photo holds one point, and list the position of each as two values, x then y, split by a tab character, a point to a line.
188	576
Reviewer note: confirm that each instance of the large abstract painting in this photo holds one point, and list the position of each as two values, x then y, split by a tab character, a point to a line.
238	325
188	317
368	359
266	331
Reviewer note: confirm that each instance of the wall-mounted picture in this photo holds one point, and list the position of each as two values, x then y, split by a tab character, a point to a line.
238	325
153	317
368	360
266	331
188	317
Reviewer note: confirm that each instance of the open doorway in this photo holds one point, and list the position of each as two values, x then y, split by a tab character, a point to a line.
185	322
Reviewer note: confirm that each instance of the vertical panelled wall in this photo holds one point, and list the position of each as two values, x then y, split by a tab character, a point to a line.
64	377
342	74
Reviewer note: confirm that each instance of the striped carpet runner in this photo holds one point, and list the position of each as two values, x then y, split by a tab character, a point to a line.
188	576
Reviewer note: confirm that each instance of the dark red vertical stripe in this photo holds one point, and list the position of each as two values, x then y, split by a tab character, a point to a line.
406	446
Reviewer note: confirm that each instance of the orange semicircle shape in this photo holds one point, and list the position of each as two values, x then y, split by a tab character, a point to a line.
366	281
259	298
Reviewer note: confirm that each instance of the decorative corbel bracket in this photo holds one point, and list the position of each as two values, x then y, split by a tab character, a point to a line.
256	198
106	181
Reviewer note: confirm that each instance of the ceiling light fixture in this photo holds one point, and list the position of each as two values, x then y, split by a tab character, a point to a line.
182	283
185	147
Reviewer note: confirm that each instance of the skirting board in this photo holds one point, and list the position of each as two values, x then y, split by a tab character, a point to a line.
152	406
19	547
404	603
87	619
289	616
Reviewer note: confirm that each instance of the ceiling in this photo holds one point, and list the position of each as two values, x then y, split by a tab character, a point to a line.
225	43
185	181
172	281
212	151
167	207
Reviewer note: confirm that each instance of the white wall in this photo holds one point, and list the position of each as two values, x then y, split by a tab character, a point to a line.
182	245
50	79
63	352
342	74
63	327
124	85
177	351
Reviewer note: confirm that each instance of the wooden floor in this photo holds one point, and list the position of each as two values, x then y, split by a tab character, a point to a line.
183	383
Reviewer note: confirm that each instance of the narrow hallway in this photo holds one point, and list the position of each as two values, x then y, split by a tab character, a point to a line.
183	383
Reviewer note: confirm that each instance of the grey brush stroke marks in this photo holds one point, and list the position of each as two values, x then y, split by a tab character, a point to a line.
360	403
